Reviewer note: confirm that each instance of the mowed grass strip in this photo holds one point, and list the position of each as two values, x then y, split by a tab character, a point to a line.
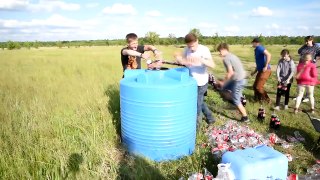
60	113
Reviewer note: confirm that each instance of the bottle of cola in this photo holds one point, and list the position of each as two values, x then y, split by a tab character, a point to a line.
274	121
244	100
261	113
212	81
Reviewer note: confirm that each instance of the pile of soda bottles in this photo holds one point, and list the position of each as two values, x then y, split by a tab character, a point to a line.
233	136
313	172
206	175
224	173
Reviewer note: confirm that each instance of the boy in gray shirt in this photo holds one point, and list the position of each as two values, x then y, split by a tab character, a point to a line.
234	79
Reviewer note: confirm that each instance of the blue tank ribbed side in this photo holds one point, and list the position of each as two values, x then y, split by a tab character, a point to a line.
158	113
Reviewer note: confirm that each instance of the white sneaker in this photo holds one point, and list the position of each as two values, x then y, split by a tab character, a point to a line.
276	108
305	100
286	107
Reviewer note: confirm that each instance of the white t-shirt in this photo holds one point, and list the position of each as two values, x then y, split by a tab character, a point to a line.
199	72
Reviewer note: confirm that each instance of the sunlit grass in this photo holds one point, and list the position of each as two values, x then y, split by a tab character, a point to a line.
59	114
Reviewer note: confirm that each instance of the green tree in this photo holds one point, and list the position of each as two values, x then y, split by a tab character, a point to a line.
285	40
172	39
2	46
27	44
262	38
299	40
152	38
165	41
36	44
59	44
13	45
197	33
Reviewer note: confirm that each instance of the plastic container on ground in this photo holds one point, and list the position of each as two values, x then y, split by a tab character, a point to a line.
262	162
158	113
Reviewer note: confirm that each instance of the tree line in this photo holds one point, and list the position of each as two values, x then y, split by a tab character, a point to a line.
155	39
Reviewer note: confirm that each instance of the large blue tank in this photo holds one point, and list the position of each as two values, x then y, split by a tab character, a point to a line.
158	113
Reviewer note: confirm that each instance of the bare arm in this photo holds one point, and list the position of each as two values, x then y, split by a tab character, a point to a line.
230	73
268	55
155	51
193	61
149	48
207	59
208	62
130	52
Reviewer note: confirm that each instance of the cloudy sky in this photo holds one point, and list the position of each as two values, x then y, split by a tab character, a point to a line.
51	20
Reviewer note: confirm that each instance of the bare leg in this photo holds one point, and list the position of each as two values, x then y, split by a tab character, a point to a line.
242	110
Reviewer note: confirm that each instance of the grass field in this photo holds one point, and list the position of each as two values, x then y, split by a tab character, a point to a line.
59	115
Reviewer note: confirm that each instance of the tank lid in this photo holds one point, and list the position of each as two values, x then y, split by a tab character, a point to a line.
171	76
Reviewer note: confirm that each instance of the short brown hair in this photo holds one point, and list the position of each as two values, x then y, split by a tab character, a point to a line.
190	38
223	46
308	38
131	36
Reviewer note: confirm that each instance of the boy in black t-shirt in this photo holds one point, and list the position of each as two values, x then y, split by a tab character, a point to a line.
132	54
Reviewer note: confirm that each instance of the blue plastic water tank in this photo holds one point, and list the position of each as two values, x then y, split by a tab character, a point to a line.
261	162
158	113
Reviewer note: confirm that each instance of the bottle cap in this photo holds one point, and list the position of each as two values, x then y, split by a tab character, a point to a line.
149	61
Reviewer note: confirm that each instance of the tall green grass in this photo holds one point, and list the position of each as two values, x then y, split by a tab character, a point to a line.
60	113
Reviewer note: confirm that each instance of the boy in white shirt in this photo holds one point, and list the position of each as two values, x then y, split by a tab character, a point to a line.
197	58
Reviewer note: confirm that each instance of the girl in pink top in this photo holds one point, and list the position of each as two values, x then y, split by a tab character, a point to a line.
307	78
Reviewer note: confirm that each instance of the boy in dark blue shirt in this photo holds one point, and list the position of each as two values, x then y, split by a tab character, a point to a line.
263	58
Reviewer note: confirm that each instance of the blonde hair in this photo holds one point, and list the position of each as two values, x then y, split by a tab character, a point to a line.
305	57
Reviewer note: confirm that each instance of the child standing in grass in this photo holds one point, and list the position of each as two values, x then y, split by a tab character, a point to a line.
307	78
285	71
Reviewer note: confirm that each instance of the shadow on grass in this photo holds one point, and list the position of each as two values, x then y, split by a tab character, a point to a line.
309	142
113	92
131	167
135	167
209	161
73	165
224	113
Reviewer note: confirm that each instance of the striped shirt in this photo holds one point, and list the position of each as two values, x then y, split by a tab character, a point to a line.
313	50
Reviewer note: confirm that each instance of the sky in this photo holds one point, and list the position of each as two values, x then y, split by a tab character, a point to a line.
58	20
